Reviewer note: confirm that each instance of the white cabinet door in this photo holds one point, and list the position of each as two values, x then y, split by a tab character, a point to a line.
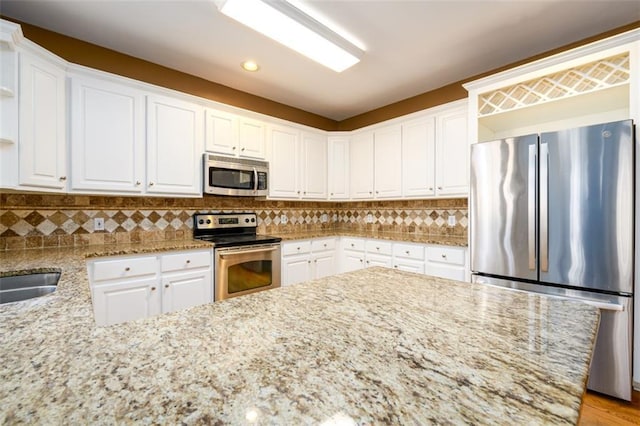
184	290
378	260
361	165
107	136
175	141
296	269
42	134
351	261
252	140
338	175
418	158
324	264
283	165
221	132
388	162
452	153
126	301
409	265
314	166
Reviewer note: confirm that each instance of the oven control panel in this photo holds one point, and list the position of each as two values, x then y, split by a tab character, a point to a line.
224	220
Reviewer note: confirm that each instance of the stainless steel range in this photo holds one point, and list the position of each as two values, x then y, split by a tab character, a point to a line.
244	262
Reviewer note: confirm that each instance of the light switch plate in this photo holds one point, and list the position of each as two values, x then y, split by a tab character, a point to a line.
284	219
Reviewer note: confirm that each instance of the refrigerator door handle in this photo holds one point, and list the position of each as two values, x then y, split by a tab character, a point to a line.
531	201
544	207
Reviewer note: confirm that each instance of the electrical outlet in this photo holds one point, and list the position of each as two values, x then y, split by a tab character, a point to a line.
98	224
324	218
452	221
284	219
369	218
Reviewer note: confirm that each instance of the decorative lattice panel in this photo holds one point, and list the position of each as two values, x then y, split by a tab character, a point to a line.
598	75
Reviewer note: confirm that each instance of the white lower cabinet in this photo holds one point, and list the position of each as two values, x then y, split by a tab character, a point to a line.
306	260
408	257
447	262
126	288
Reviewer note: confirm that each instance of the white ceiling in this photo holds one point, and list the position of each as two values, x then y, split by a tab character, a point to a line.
411	46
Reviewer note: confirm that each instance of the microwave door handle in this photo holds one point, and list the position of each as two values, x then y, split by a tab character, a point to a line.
255	180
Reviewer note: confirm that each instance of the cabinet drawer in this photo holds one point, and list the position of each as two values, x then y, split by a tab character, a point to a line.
186	260
124	268
353	244
322	245
408	251
378	246
450	255
296	247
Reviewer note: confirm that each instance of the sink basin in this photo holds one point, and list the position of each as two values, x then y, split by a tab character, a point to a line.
23	287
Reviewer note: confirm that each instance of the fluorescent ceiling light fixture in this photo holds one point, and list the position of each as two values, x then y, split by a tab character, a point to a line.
288	25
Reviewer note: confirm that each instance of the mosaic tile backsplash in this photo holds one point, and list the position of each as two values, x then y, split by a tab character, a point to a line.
33	221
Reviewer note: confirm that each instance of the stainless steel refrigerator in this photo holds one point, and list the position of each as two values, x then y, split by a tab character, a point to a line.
553	213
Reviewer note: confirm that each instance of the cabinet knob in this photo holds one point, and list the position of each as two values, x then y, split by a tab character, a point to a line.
439	187
233	148
370	193
315	260
298	192
360	260
408	252
308	261
242	150
63	178
151	183
378	248
298	248
367	262
188	261
127	269
305	192
138	183
325	244
153	288
166	286
332	193
353	245
431	188
377	192
395	266
444	256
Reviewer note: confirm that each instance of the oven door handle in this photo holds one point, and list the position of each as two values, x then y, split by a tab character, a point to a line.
235	252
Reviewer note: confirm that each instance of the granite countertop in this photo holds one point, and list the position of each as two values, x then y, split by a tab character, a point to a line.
368	347
393	236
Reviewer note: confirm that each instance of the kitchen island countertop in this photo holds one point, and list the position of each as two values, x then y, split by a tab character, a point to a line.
372	346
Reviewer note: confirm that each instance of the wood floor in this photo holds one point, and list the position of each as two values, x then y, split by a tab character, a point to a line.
599	410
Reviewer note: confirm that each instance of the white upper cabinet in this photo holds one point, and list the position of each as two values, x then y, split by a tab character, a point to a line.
252	138
283	169
42	153
361	165
175	142
221	132
388	162
107	136
314	166
452	153
418	157
338	168
230	134
297	164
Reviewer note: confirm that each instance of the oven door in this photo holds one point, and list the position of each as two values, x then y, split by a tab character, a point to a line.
246	270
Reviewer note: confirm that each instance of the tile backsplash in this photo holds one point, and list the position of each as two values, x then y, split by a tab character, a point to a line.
36	220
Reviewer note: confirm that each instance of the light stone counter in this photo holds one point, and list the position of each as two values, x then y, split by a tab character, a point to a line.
393	236
376	346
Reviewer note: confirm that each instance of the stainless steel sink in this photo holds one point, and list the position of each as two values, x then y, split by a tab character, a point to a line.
23	287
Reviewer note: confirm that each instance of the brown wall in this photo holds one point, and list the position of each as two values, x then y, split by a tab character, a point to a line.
94	56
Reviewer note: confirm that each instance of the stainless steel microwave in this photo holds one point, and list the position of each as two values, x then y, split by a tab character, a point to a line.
235	176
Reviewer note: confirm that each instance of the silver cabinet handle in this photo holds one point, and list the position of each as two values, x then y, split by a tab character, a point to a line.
153	288
127	269
166	286
444	256
138	183
188	261
63	178
151	183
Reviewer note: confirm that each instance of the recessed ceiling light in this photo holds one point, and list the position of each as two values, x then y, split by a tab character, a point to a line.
293	28
250	66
